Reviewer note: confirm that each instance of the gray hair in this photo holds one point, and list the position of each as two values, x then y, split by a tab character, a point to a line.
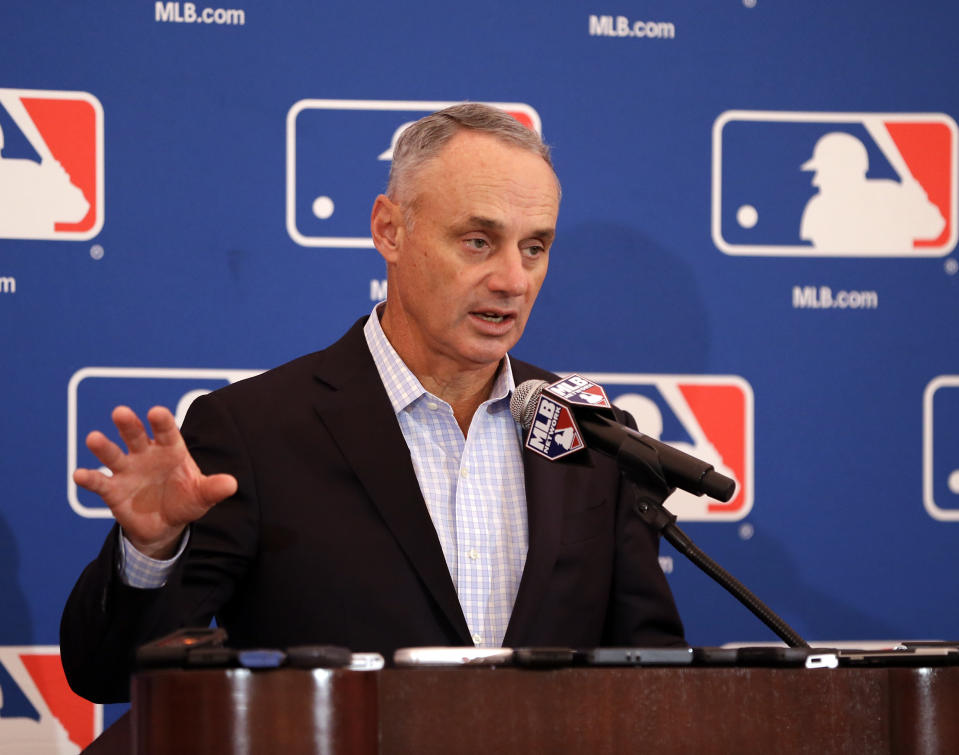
424	139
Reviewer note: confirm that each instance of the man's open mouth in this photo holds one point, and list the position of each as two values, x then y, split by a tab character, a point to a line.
491	316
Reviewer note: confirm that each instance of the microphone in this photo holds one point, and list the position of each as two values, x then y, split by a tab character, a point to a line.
634	451
562	415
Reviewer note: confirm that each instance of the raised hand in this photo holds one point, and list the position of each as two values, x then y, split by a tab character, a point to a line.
156	489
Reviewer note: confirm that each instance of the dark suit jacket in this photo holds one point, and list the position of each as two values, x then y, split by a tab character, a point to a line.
328	539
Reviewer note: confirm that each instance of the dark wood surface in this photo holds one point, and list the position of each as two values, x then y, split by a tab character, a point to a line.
510	710
663	710
226	711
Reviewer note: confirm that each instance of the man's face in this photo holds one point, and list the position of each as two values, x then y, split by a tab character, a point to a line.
464	278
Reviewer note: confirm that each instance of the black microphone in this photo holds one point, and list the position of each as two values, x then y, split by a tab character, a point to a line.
629	447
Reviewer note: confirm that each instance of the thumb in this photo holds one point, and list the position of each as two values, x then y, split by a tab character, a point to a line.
215	488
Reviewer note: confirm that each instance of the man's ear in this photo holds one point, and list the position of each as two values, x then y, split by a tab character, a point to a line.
387	227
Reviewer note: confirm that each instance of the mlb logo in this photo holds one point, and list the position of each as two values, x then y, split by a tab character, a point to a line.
92	394
338	155
578	391
707	416
553	433
38	710
940	448
51	165
834	184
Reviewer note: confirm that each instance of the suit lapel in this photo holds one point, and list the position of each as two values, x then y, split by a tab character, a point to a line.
354	407
548	484
545	490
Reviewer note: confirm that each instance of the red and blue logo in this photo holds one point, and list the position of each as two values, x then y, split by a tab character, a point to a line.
940	448
576	390
338	155
38	710
553	433
834	184
707	416
51	165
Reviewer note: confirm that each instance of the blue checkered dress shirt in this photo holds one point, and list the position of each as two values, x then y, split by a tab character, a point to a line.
473	487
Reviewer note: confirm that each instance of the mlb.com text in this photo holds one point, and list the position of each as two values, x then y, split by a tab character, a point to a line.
822	297
620	26
187	13
8	285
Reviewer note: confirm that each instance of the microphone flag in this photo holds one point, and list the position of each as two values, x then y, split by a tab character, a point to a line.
553	431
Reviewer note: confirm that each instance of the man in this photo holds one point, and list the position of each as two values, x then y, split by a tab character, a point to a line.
375	494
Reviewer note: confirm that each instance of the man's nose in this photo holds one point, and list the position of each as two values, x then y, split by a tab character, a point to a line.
509	275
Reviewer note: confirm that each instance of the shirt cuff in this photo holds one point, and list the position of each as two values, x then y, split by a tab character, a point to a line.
137	570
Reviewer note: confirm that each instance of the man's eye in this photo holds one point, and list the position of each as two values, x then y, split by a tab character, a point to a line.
534	250
477	244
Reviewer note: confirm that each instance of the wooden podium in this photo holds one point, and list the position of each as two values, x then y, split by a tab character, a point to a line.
512	710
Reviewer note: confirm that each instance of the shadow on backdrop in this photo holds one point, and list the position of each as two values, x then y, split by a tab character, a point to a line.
653	315
16	624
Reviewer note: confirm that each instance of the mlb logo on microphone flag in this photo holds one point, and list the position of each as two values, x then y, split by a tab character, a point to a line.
38	710
578	391
707	416
940	448
92	394
834	184
553	432
51	165
338	155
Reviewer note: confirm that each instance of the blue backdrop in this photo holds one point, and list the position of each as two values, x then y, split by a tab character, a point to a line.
184	199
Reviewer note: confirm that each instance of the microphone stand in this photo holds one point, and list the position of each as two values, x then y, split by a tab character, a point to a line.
637	455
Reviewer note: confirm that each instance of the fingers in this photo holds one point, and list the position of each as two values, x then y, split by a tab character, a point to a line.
163	424
149	460
131	429
134	435
107	452
92	480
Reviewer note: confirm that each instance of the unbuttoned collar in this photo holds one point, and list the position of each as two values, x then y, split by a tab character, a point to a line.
402	386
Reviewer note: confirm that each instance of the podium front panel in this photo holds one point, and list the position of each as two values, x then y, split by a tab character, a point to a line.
510	710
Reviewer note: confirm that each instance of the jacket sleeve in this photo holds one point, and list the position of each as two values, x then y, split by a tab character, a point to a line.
104	620
101	626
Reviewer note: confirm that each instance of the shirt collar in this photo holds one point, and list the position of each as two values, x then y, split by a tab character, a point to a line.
402	386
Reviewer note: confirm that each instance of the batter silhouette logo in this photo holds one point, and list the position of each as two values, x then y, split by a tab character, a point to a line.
51	165
92	394
834	184
708	416
38	710
338	155
940	448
